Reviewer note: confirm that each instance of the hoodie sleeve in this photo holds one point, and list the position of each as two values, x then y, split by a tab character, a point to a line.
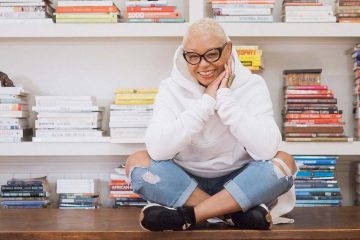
251	122
168	133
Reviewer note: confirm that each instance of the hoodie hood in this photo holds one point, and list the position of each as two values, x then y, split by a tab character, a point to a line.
182	77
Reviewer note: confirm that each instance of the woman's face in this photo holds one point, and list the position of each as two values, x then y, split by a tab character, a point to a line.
205	72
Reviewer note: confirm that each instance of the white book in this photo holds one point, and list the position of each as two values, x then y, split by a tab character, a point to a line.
128	124
90	3
12	121
12	90
42	133
310	19
325	8
268	18
309	14
132	107
127	140
14	139
40	100
96	115
128	114
146	3
16	132
72	139
21	4
14	114
242	11
234	5
120	170
68	109
118	176
20	1
7	15
76	186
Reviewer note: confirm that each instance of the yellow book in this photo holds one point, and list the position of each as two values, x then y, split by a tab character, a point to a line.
135	96
135	102
86	20
135	90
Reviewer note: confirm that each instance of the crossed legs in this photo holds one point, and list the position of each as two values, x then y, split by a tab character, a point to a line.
206	206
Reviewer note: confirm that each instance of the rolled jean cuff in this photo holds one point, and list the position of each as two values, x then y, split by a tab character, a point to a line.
186	194
239	195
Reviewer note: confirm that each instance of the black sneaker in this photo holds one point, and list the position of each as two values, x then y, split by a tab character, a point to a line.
154	217
255	218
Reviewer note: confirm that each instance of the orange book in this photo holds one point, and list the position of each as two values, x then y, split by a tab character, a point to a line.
131	195
153	15
312	115
315	121
87	9
151	9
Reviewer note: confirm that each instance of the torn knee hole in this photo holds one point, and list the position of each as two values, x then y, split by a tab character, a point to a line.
280	171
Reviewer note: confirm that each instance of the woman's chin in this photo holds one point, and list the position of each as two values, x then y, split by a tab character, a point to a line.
205	82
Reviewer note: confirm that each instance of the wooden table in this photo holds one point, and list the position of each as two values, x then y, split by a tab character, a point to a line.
310	223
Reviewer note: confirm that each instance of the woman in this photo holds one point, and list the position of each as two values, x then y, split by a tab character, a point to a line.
212	143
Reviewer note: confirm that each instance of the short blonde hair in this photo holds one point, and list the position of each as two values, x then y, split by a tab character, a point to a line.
206	25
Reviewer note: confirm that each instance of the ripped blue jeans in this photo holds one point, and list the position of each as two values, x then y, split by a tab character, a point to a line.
166	183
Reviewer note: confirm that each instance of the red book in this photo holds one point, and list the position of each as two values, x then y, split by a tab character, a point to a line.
87	9
309	96
151	9
307	87
315	121
313	115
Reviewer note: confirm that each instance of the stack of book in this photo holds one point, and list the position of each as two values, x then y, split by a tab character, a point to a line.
348	11
14	110
121	191
25	11
25	193
130	115
355	53
77	193
315	183
307	11
243	11
152	12
357	184
250	57
86	11
68	119
310	112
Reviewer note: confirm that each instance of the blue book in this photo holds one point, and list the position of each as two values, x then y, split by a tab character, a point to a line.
314	174
318	201
315	185
315	162
336	189
314	157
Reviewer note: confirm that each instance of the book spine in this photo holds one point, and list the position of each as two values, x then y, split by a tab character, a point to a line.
87	9
152	15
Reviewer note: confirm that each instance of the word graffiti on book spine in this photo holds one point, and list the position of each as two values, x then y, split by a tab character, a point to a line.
5	80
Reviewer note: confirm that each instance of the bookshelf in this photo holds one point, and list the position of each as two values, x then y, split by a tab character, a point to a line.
25	149
94	59
320	30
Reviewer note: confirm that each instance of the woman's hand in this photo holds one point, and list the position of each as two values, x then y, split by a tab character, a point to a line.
228	74
214	86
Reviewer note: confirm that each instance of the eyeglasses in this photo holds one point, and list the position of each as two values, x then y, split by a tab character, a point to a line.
211	55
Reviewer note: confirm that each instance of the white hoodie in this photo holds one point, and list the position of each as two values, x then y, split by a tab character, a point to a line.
208	137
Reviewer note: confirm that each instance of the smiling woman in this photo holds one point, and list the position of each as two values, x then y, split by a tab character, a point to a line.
212	148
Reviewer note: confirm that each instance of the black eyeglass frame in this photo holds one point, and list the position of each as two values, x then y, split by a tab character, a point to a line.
201	56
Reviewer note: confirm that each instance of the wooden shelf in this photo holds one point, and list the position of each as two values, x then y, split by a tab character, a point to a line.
115	149
32	30
331	223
